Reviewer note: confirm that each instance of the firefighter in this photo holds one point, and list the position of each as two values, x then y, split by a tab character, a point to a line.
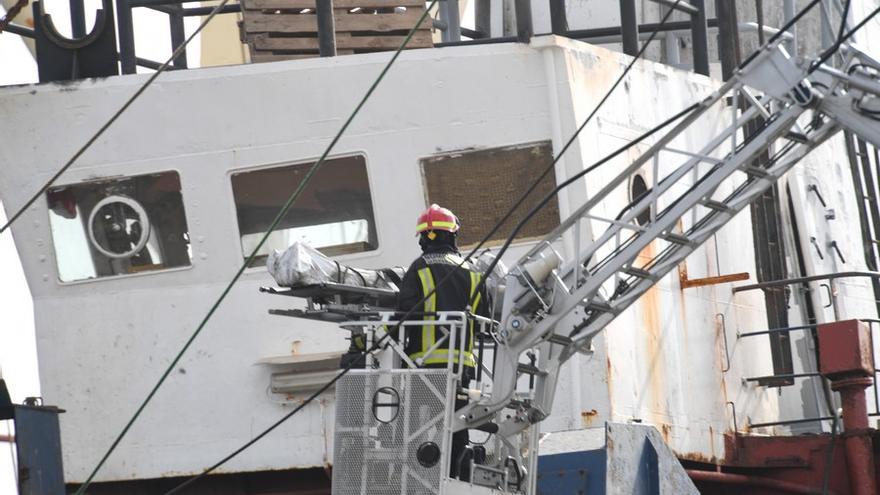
437	229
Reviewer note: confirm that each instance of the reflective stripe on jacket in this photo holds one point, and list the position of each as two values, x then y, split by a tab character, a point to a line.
455	294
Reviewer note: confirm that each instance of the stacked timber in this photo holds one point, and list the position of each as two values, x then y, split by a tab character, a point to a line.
288	29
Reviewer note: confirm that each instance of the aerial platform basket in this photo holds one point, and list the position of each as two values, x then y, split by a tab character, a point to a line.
288	29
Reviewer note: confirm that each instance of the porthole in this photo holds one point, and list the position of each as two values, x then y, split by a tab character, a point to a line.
638	188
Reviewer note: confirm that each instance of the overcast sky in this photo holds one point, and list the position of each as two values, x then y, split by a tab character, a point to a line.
18	356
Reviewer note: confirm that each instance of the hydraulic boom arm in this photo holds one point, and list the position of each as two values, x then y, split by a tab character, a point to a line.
553	309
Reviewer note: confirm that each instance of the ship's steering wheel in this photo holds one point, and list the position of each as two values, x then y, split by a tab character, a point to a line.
126	227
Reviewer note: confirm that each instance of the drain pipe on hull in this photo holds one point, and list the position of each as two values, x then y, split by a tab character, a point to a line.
846	358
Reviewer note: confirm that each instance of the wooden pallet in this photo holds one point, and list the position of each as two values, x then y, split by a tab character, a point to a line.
288	29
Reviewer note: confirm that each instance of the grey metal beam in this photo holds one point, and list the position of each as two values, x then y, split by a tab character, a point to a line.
481	41
789	10
472	34
483	17
150	64
199	11
449	15
679	6
643	28
38	447
558	20
19	30
629	26
728	37
148	3
326	28
524	29
178	35
77	19
125	28
700	38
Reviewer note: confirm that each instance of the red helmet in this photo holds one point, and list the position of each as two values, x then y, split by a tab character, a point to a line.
437	218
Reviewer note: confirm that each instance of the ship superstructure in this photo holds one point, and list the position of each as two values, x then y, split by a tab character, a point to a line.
203	180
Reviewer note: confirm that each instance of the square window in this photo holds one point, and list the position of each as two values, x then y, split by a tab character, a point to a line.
334	214
120	226
481	186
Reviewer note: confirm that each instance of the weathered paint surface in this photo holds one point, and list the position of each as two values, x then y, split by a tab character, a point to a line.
102	344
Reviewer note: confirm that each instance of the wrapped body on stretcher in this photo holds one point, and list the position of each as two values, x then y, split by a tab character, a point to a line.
337	293
305	272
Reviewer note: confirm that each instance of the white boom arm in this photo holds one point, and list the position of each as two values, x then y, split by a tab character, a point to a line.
554	309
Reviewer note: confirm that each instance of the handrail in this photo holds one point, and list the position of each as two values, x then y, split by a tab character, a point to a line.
811	278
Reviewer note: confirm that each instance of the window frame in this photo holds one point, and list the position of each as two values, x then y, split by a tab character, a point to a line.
108	178
236	239
520	240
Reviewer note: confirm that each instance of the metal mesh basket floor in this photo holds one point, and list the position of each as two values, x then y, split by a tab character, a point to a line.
382	419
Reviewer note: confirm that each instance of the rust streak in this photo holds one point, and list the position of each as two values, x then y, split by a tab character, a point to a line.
653	341
712	441
610	369
665	431
697	457
683	274
587	417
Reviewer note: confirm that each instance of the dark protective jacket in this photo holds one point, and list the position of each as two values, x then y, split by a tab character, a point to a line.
455	294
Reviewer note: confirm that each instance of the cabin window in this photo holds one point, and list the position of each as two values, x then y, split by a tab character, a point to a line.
481	186
334	214
119	226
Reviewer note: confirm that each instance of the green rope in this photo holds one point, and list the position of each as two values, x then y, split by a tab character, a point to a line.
287	205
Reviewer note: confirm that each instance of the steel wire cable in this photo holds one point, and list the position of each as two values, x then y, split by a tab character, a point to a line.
784	29
281	213
831	50
469	256
861	24
11	13
88	144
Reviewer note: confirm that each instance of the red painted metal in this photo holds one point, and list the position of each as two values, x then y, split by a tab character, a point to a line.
846	359
797	459
778	486
845	349
765	465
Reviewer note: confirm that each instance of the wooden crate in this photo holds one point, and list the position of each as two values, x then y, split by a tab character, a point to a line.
288	29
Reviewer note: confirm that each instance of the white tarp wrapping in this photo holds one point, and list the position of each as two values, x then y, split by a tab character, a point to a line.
302	264
495	280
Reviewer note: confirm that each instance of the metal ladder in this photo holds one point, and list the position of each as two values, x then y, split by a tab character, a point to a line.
612	271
